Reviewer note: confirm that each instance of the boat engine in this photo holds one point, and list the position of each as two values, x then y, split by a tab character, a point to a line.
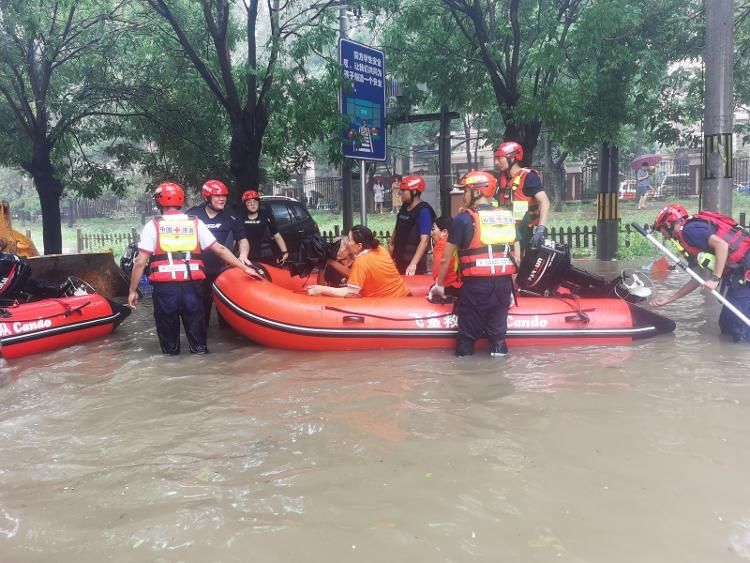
546	268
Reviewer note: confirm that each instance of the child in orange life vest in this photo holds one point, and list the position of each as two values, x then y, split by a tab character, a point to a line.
439	238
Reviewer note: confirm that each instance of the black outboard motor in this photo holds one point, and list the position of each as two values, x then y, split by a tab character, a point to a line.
14	275
16	283
128	258
548	267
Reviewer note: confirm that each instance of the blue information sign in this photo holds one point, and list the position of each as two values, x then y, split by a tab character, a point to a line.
364	102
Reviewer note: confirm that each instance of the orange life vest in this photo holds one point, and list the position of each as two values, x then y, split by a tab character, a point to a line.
485	260
511	196
177	257
727	229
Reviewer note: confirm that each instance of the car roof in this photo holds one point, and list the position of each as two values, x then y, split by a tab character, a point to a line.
278	198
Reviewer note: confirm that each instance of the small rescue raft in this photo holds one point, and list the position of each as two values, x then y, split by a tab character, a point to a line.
278	313
49	324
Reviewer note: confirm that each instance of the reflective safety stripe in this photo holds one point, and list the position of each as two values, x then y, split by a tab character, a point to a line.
496	226
177	267
486	262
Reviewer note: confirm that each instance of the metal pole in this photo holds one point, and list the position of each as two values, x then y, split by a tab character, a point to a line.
444	164
606	203
347	209
718	113
362	194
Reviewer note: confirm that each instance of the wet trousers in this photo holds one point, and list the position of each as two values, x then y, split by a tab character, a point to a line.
482	311
208	299
738	294
175	302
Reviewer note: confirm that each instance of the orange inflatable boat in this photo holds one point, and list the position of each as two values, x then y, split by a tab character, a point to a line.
278	313
49	324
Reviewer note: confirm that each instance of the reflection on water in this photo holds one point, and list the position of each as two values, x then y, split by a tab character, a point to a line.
620	454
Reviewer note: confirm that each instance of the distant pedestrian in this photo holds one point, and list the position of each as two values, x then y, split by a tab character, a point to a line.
643	185
378	190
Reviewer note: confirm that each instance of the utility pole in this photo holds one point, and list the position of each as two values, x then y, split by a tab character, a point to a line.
444	184
607	222
718	113
347	209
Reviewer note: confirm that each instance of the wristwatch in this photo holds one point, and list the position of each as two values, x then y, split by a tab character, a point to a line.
715	278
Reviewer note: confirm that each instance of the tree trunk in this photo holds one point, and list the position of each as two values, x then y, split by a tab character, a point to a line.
245	148
554	178
467	137
525	133
50	190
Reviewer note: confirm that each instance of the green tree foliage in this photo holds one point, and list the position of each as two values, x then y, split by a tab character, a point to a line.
478	51
251	58
626	65
58	82
742	63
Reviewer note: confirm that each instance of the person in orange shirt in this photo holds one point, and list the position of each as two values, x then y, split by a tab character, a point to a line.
439	238
373	272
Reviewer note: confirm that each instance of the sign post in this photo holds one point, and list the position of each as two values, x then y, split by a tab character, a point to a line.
363	106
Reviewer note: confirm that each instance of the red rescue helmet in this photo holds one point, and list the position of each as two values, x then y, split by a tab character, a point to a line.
169	194
483	182
669	215
214	187
412	183
510	149
250	194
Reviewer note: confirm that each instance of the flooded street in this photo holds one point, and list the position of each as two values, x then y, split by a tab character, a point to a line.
111	452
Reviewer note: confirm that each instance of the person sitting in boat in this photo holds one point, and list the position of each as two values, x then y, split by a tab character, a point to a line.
257	221
373	272
728	244
338	266
440	238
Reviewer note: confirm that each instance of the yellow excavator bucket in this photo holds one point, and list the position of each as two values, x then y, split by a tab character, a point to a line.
12	241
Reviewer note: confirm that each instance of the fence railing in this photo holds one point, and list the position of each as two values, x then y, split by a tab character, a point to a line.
576	238
98	241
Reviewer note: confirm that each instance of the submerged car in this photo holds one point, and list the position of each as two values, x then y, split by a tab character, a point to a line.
293	222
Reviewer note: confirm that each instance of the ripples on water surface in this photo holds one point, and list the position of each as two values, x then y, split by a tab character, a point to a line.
632	453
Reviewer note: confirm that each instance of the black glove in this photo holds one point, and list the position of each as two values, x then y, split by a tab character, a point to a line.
537	239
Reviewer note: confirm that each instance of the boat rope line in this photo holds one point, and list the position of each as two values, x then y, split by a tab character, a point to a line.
578	310
374	316
57	330
419	332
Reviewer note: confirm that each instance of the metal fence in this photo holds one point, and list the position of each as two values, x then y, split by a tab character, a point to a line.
98	241
576	238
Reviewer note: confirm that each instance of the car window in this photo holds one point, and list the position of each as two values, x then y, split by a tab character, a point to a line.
280	213
298	212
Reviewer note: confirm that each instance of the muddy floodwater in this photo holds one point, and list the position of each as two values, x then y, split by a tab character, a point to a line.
635	453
